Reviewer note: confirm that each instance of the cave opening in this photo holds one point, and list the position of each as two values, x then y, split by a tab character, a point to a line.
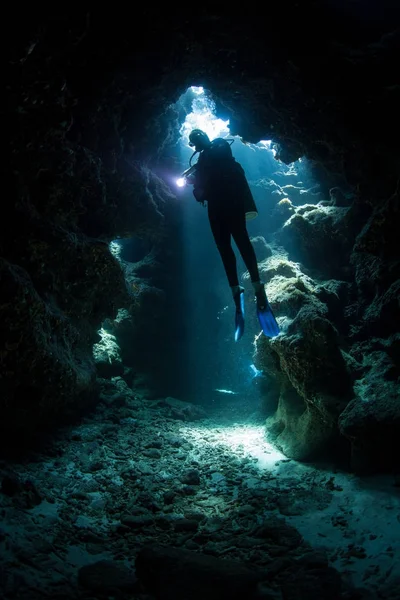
218	368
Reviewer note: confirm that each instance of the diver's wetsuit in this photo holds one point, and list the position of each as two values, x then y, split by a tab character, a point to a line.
223	226
221	181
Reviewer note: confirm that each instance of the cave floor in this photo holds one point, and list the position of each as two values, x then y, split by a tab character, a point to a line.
139	471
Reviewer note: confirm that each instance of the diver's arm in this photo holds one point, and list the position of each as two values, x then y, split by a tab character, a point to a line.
199	182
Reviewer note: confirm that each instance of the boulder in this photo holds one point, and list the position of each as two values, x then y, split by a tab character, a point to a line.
178	574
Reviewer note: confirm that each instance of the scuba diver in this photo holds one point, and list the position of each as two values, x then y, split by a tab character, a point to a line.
220	182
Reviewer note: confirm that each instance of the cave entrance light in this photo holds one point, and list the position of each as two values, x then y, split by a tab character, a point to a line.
203	117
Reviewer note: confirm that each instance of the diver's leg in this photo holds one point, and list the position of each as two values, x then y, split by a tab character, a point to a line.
240	235
220	228
222	236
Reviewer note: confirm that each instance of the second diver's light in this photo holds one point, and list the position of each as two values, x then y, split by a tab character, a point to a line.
181	182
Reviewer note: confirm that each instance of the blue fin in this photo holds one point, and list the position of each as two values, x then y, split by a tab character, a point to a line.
239	318
268	322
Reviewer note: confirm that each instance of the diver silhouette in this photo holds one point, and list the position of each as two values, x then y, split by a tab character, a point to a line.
220	182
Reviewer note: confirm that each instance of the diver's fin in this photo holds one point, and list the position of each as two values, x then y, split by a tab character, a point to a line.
267	321
239	315
265	315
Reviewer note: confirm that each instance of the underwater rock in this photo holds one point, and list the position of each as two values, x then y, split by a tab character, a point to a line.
261	247
311	374
282	211
376	263
339	198
107	576
381	317
138	521
191	477
378	236
185	525
296	429
295	193
276	531
371	420
177	574
123	329
311	357
277	266
184	411
107	356
321	583
336	295
115	392
316	233
290	295
41	355
368	272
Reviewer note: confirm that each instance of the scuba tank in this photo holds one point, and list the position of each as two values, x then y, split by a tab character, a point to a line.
188	176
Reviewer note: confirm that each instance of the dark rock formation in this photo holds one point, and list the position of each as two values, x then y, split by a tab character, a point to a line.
340	342
321	237
372	418
92	131
106	576
311	380
52	303
177	574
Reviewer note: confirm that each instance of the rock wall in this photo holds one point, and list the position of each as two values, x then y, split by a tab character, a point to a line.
335	369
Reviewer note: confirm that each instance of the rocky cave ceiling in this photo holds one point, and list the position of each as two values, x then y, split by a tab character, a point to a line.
319	78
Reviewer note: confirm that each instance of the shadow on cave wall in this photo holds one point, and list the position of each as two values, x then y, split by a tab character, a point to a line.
153	333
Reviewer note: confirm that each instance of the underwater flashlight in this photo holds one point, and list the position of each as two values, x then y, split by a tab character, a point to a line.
186	177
